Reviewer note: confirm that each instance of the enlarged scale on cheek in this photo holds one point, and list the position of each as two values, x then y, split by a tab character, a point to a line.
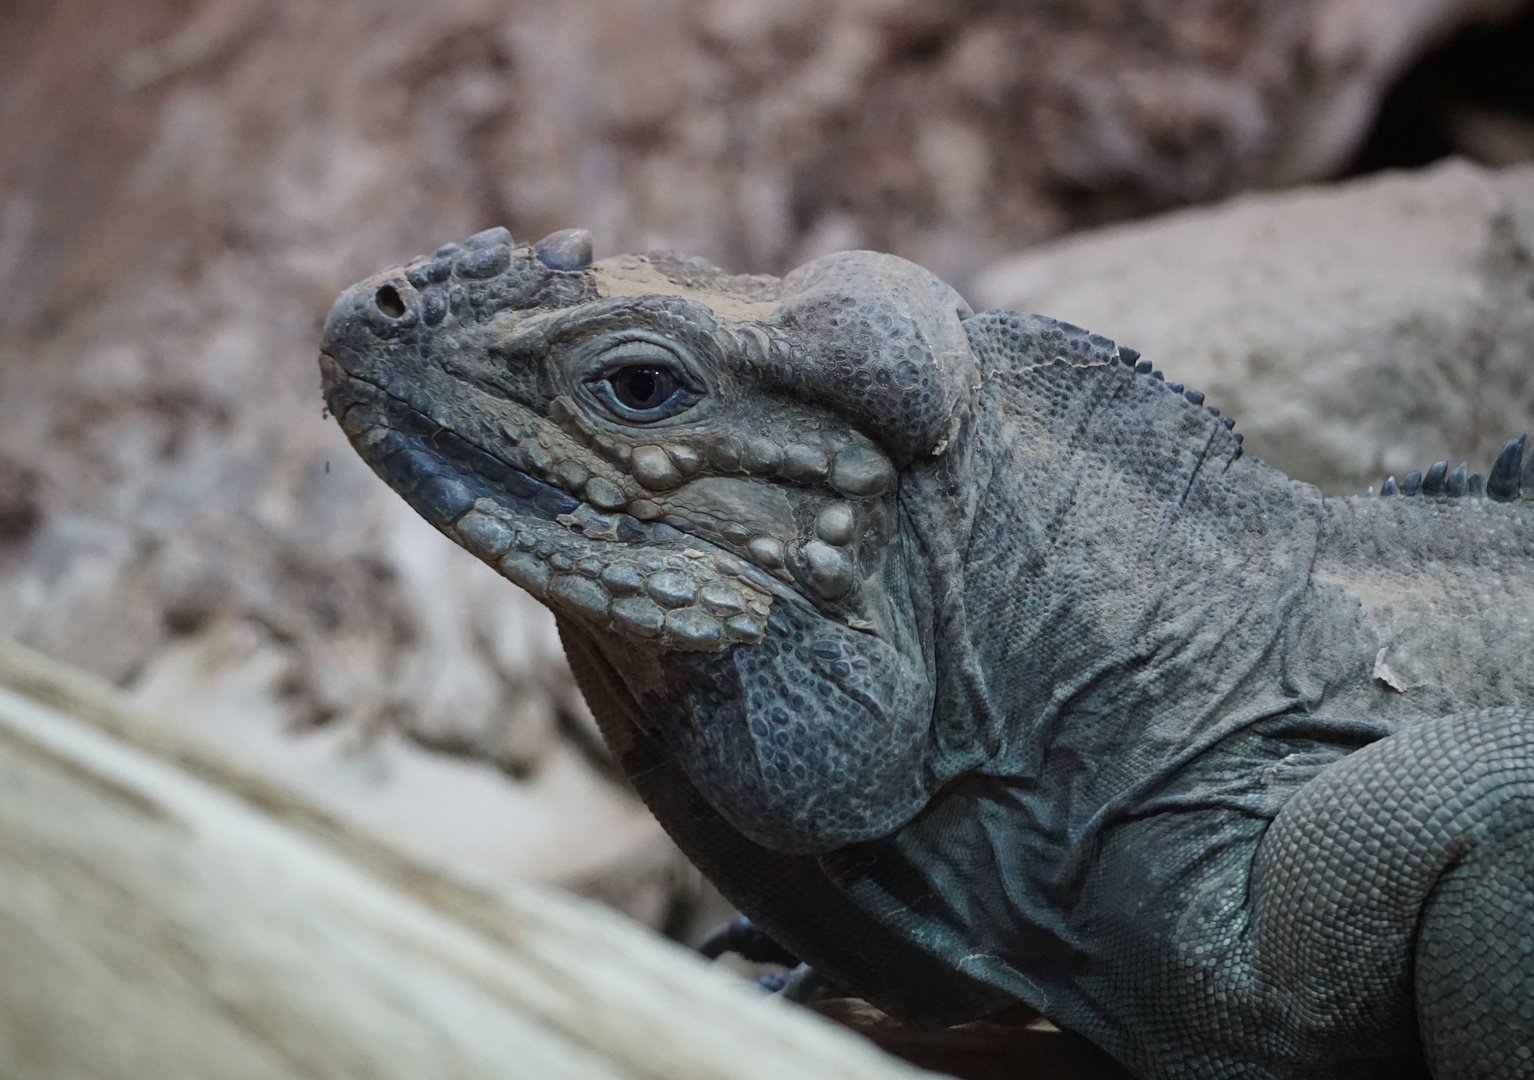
694	600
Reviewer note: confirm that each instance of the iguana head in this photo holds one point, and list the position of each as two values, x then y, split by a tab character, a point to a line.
700	475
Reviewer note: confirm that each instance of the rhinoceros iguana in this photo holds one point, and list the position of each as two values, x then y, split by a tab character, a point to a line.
976	664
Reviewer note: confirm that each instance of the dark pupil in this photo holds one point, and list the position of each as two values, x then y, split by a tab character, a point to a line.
642	388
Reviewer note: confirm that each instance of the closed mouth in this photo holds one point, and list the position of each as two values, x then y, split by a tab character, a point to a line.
443	474
646	578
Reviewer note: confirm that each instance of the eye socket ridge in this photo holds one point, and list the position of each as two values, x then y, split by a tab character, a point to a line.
643	381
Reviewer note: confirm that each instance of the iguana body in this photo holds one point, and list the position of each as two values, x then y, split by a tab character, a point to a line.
975	662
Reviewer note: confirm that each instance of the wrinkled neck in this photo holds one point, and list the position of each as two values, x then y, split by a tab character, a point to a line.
1109	580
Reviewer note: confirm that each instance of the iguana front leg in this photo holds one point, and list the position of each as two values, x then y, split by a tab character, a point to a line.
748	941
743	938
1397	890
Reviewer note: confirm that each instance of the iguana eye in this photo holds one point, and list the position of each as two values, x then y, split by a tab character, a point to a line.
641	381
643	387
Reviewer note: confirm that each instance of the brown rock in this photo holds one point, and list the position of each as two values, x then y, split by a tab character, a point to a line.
753	132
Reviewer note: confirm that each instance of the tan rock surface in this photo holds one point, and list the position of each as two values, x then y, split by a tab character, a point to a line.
1353	331
164	915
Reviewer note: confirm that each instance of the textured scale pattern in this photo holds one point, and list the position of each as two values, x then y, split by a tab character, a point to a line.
1444	811
977	664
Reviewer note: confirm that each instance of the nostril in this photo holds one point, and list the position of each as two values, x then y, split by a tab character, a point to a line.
388	300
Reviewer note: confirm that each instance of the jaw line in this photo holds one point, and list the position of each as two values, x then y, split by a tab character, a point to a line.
404	426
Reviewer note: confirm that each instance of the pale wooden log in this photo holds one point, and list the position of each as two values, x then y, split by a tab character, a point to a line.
157	923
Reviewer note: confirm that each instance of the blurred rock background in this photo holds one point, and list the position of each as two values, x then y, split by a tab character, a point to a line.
186	184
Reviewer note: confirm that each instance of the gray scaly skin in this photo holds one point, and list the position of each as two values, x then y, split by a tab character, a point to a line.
976	664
